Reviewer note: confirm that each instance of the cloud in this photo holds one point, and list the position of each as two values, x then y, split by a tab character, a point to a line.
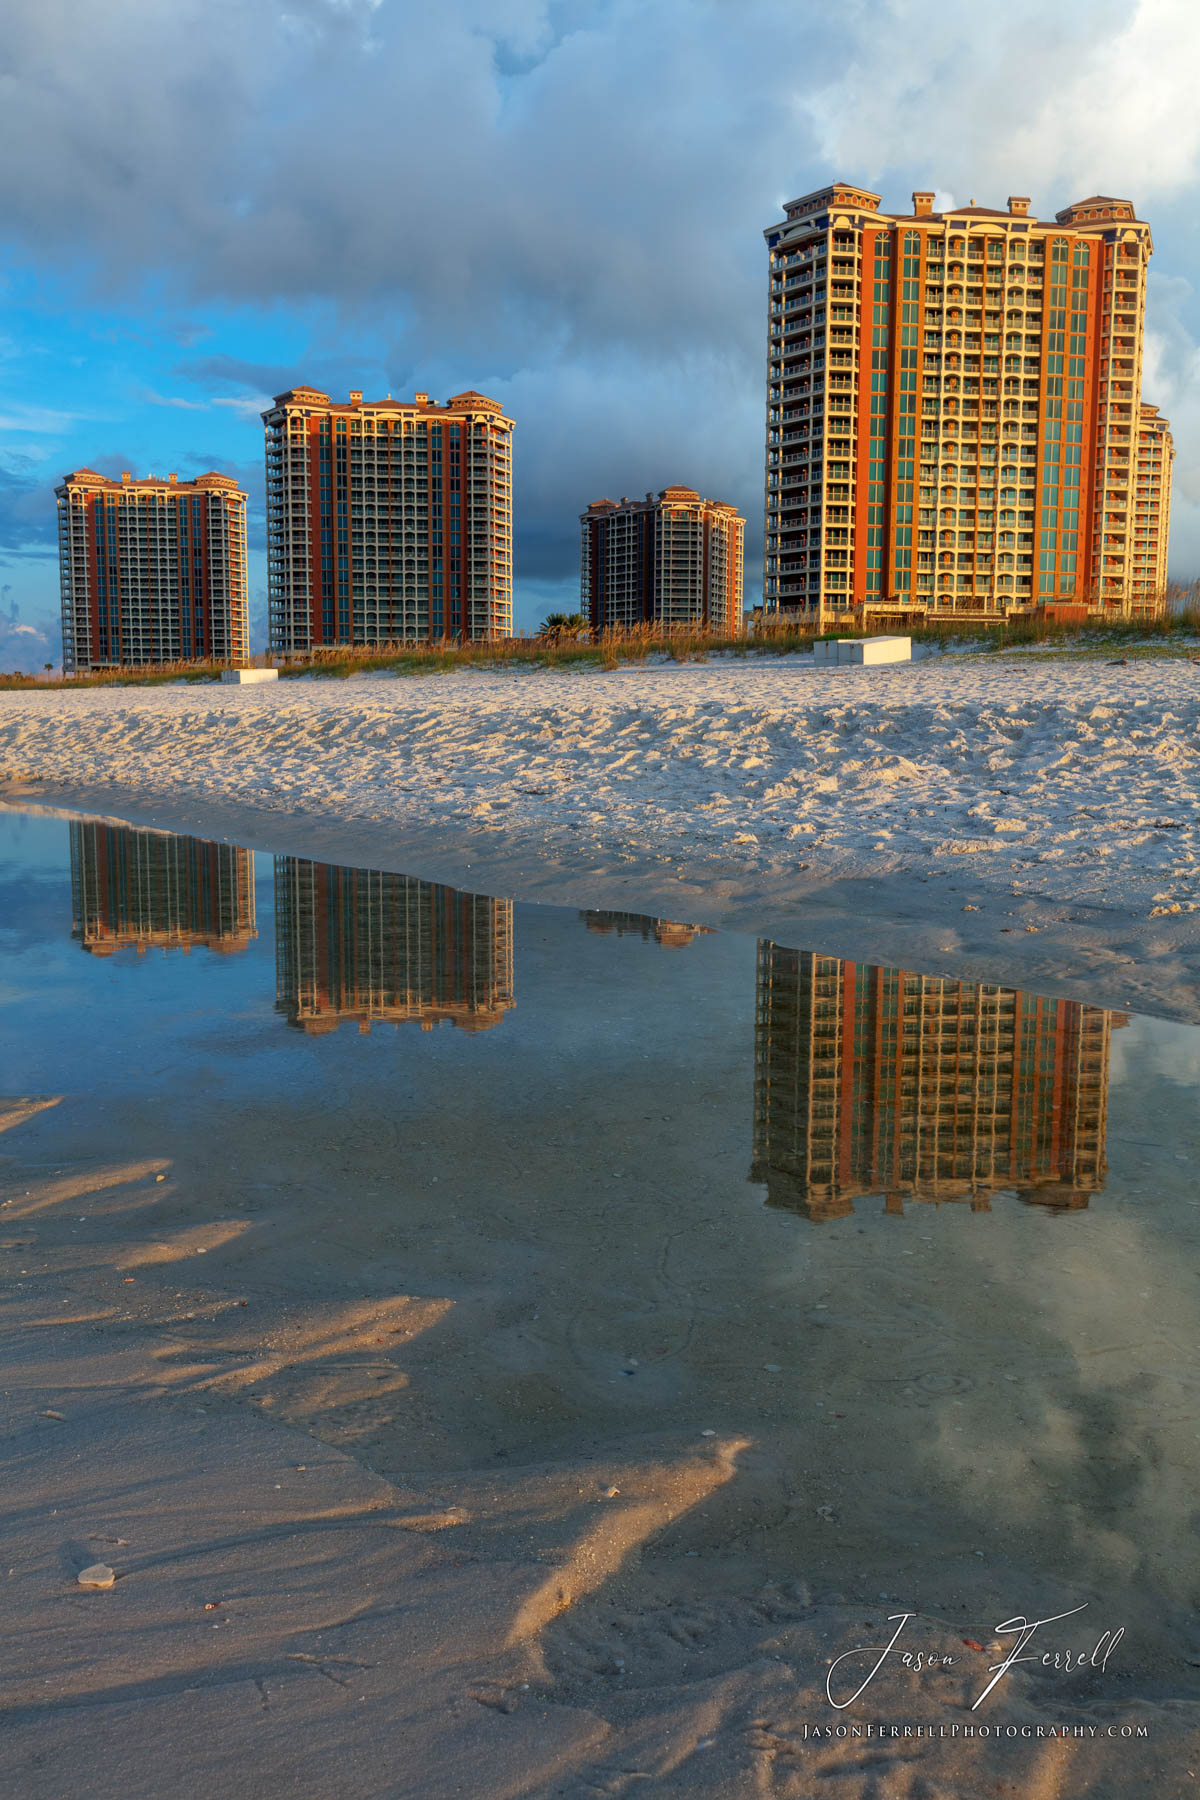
153	399
559	201
221	370
1057	103
568	200
40	419
23	646
1171	381
185	332
248	406
28	512
585	190
27	648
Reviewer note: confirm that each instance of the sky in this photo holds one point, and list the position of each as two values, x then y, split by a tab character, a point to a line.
558	202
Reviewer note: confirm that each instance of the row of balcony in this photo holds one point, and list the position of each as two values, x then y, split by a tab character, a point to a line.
304	518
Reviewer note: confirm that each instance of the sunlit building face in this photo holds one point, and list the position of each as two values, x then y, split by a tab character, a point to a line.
387	521
954	418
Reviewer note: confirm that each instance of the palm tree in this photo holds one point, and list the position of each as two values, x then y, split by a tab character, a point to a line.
557	626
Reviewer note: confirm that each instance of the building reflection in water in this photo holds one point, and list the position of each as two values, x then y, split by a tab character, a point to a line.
871	1081
138	889
668	932
368	945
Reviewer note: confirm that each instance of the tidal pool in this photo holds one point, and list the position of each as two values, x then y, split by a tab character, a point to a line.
479	1191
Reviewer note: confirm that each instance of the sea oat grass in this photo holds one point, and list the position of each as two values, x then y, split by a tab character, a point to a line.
685	643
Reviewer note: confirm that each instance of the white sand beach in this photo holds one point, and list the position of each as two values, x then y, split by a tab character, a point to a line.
1081	774
968	810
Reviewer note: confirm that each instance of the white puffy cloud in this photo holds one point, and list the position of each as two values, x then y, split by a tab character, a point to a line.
1089	96
24	645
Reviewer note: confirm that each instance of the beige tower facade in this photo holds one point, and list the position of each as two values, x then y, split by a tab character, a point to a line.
670	559
953	404
151	571
387	520
1152	518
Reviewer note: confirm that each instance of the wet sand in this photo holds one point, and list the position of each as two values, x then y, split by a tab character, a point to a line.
372	1546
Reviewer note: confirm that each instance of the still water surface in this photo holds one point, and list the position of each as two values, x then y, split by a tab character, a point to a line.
927	1248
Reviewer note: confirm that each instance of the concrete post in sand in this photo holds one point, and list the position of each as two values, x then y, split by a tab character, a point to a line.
874	650
843	651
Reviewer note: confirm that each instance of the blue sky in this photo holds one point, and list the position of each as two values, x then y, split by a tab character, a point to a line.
559	202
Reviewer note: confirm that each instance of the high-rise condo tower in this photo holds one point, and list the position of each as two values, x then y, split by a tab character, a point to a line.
953	412
151	571
670	559
387	520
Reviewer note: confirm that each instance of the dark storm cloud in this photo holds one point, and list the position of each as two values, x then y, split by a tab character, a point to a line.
223	371
28	517
378	156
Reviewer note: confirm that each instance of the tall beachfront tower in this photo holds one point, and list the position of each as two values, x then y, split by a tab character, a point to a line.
151	571
674	559
1152	519
387	520
953	403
